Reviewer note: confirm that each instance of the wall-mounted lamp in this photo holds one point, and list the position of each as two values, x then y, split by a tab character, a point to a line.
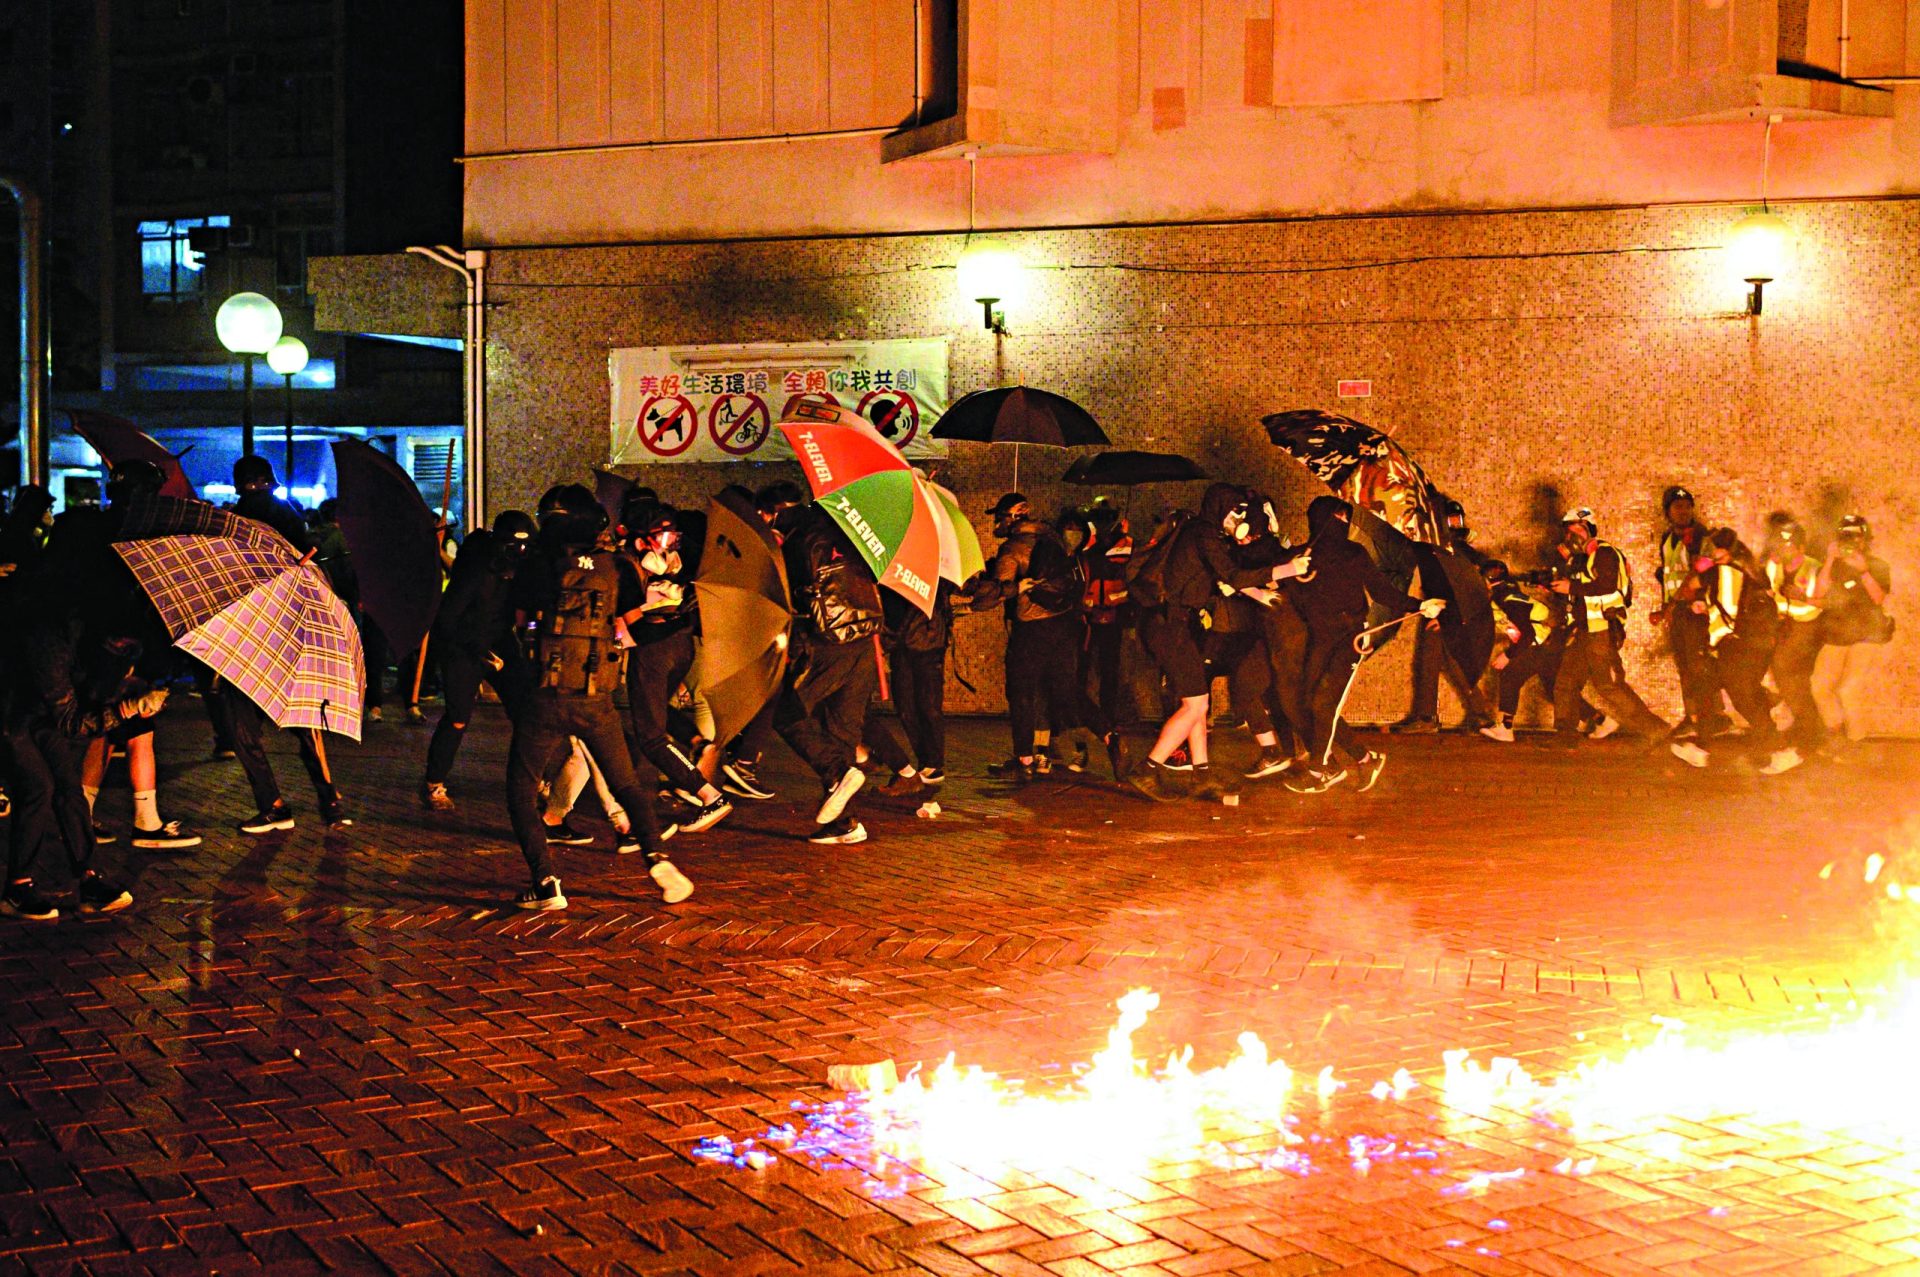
1758	247
993	277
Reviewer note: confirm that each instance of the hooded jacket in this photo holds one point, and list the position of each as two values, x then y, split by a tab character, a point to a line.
1333	597
834	593
1030	551
1201	558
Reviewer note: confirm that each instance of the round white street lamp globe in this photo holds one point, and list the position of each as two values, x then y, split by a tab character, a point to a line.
248	324
287	356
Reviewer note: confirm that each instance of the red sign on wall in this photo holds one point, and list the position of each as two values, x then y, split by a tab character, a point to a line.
1355	389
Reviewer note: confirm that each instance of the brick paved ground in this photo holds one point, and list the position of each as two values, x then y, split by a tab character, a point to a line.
340	1052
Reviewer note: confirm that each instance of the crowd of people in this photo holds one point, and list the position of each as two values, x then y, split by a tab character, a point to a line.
585	627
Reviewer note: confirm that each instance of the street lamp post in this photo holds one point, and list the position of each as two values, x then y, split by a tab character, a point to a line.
287	357
248	325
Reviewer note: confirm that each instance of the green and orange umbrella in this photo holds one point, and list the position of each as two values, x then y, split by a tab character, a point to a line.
907	529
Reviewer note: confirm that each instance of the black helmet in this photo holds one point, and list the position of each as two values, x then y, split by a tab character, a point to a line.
134	478
574	512
1854	527
640	515
1453	511
1673	494
514	525
1013	503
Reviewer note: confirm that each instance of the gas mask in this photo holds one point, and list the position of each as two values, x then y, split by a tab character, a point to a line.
660	551
1238	525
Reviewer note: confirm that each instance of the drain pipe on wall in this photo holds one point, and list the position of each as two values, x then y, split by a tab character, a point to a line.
472	266
33	329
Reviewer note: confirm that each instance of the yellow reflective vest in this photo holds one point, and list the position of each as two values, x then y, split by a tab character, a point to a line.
1793	591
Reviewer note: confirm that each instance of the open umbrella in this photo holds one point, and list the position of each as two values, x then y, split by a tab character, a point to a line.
236	595
888	511
117	440
745	615
1124	469
394	538
960	556
1017	415
1401	512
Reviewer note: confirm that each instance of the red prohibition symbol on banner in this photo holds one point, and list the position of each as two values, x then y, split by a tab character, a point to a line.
739	423
820	397
893	413
667	425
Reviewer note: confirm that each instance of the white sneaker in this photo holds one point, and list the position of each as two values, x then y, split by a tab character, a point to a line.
1689	753
839	796
1500	732
673	884
1783	760
1608	727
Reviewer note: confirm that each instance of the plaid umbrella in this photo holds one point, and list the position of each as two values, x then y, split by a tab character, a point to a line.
234	594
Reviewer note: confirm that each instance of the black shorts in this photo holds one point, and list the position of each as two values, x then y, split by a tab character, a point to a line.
1170	640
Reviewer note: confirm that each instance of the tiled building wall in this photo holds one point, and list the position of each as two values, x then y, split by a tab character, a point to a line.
1529	361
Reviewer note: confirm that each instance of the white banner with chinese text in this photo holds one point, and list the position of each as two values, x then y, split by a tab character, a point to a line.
719	403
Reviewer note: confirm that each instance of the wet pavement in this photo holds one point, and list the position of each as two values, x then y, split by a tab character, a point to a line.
343	1050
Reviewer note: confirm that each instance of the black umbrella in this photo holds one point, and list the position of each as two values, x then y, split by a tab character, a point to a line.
394	539
1017	415
1130	469
1467	624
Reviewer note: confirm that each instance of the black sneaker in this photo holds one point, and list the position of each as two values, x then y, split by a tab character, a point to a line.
628	843
543	897
1042	764
274	819
1369	766
738	779
1315	780
1270	763
903	787
334	812
706	815
1147	782
99	895
1414	727
1179	761
1078	762
1207	789
175	835
841	832
565	835
104	834
22	901
1008	767
933	776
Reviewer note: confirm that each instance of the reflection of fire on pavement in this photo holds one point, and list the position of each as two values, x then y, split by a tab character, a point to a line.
1119	1122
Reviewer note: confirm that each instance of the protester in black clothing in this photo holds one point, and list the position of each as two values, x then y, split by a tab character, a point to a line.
917	662
1333	599
570	586
473	636
1682	544
1199	567
739	774
656	627
1255	693
236	719
832	669
1431	659
1032	577
70	684
1743	625
1534	641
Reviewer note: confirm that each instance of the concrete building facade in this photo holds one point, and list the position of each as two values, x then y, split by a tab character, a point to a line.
1510	217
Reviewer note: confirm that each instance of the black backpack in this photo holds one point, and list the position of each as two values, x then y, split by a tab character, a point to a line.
577	656
1147	569
1058	586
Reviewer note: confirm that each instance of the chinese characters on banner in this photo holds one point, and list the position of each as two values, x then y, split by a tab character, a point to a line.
719	403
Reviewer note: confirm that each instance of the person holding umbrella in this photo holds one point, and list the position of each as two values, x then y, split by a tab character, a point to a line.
572	591
473	636
832	671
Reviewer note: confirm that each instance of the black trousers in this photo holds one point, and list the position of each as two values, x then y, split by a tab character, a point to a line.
655	671
42	770
1043	683
1242	657
1693	661
1284	636
1330	664
541	739
373	641
823	708
920	697
1431	660
461	674
1739	665
243	724
1100	666
1535	660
